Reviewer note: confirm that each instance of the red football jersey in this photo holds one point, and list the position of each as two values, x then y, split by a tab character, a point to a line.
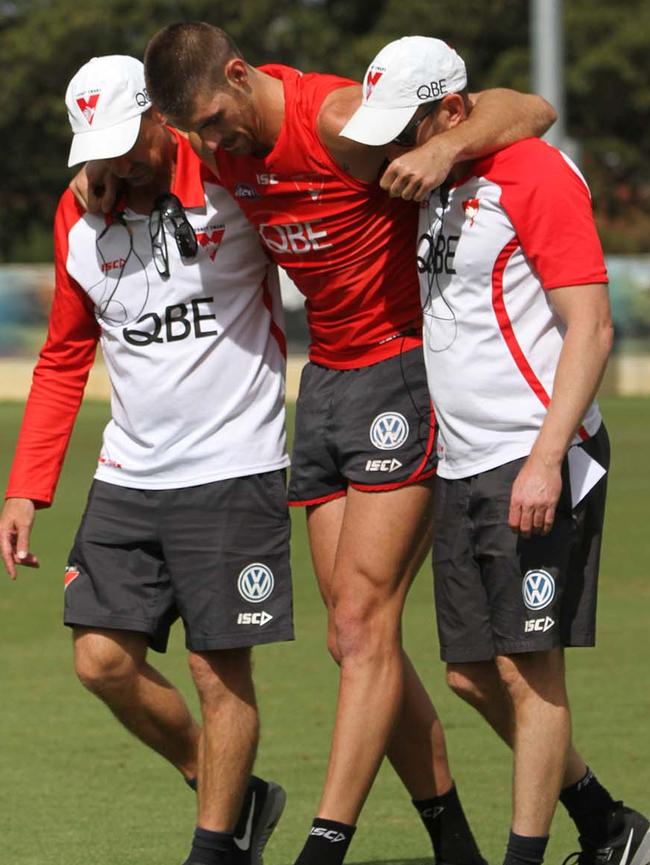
347	245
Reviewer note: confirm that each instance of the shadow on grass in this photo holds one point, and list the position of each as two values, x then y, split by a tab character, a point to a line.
394	862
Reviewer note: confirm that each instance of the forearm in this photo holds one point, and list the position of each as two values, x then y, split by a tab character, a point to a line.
579	372
498	118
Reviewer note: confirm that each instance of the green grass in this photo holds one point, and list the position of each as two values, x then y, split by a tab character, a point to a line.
75	789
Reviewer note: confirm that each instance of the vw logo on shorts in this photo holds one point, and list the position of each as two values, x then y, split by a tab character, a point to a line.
539	589
255	583
389	430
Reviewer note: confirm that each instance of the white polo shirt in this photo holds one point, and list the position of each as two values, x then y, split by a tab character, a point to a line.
196	360
490	248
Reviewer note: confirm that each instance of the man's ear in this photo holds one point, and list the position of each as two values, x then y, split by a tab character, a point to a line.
158	117
236	72
452	110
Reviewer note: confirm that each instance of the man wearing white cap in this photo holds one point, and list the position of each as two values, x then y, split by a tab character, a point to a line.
517	331
187	515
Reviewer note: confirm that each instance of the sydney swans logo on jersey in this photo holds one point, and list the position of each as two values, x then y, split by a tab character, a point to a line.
88	106
255	583
470	206
210	238
538	589
309	182
372	80
389	430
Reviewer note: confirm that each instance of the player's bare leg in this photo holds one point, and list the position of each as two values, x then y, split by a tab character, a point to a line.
113	665
417	749
479	684
365	562
542	734
229	736
417	729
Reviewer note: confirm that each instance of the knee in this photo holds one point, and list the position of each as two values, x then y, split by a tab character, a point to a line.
473	682
220	674
103	668
364	628
333	643
533	673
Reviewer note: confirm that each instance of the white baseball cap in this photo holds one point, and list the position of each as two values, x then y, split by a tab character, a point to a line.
404	75
105	101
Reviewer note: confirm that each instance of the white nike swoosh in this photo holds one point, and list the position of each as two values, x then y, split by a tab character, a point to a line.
245	842
626	852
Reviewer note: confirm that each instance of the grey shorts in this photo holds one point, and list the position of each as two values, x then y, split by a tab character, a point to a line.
217	555
372	428
498	593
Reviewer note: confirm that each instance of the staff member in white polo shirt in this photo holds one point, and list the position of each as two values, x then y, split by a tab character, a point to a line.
187	515
517	333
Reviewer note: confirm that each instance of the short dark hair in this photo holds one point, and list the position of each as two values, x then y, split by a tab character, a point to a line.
186	60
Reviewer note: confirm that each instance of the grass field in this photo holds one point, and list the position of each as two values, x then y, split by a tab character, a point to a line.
75	789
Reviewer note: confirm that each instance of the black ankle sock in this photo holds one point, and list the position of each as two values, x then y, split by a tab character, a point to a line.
445	821
524	850
326	844
589	805
211	848
193	783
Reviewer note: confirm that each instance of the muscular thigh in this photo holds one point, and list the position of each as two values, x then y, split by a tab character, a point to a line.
383	538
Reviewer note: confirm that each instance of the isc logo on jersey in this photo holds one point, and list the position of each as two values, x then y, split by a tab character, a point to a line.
260	618
294	238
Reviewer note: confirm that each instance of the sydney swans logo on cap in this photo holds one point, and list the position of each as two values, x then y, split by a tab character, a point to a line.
372	79
88	106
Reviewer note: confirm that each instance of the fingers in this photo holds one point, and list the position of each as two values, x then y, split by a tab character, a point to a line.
529	519
400	181
23	555
7	546
15	532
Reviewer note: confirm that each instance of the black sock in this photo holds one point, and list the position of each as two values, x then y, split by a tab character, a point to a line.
445	821
211	848
193	783
589	805
326	844
524	850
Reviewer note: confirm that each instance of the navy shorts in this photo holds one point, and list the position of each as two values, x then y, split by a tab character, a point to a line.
372	428
217	555
498	593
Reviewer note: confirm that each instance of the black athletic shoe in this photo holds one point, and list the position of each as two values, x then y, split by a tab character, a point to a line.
263	807
627	844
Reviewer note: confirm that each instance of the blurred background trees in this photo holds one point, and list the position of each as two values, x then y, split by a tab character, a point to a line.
43	42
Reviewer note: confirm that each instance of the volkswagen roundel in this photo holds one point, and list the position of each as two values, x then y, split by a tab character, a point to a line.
538	589
389	430
255	583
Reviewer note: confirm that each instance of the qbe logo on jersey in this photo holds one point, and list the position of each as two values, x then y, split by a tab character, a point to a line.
538	589
255	583
389	430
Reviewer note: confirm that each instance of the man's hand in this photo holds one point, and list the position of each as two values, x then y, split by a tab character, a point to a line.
534	497
16	524
95	187
413	174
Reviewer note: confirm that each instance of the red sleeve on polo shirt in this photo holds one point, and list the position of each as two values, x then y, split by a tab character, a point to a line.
549	205
59	377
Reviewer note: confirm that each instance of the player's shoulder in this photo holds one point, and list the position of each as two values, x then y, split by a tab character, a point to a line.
69	211
530	161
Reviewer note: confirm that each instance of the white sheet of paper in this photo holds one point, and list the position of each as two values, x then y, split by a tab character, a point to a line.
584	473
